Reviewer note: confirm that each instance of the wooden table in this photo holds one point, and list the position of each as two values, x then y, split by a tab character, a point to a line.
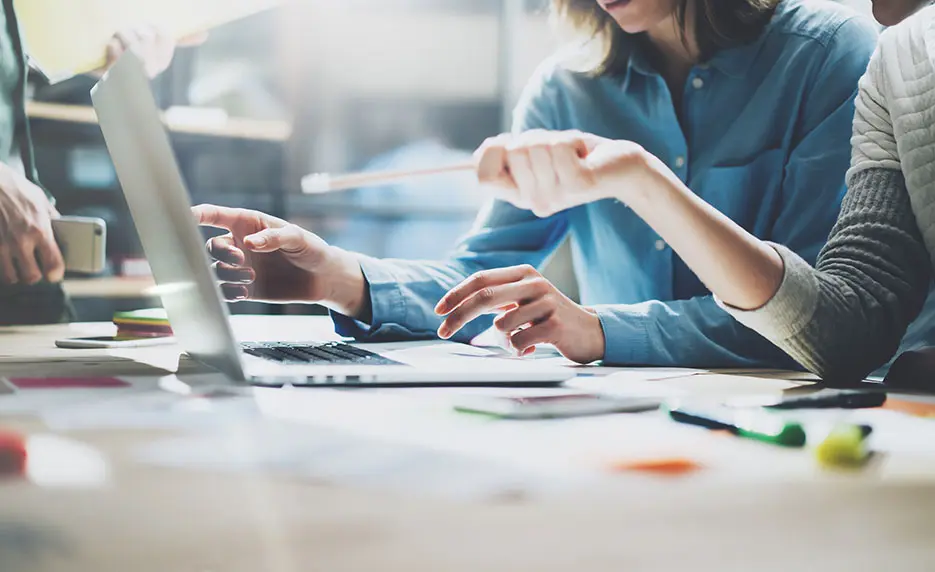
145	518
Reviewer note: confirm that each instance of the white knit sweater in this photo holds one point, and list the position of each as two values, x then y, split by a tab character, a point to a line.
894	126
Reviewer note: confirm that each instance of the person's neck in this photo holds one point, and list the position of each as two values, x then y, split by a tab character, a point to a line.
675	55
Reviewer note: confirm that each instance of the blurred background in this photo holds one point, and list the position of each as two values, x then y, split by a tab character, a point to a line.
314	86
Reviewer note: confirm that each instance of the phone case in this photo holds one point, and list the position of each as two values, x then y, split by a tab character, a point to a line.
83	242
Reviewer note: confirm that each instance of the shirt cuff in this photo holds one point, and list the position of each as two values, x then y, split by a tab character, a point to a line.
388	306
626	337
792	306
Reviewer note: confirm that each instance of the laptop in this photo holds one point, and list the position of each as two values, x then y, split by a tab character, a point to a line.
161	209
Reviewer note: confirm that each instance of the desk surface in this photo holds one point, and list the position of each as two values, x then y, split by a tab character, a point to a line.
149	518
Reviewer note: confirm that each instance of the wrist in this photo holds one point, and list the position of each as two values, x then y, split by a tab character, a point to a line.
649	173
348	293
597	343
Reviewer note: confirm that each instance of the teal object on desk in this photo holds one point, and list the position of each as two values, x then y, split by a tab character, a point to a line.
750	423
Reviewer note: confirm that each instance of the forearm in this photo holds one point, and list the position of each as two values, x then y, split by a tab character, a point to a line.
847	317
742	270
401	297
683	333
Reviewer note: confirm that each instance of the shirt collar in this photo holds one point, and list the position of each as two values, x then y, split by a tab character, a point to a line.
735	61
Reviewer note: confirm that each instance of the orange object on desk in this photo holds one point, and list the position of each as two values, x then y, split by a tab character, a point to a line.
916	408
12	454
671	466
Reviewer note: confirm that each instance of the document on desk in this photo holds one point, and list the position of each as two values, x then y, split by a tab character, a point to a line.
65	38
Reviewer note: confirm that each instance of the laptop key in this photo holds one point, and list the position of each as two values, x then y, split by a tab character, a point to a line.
318	354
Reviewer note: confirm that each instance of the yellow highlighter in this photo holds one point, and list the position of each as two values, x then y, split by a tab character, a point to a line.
844	447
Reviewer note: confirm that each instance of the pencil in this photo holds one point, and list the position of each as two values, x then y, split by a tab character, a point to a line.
318	183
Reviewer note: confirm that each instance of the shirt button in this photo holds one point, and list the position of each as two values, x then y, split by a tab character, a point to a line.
660	245
679	162
698	83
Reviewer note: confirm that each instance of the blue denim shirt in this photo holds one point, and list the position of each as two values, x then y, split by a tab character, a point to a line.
764	138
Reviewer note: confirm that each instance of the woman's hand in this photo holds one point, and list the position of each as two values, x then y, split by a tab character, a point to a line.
534	312
550	171
267	259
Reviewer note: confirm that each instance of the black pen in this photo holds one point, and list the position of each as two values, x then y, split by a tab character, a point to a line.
832	399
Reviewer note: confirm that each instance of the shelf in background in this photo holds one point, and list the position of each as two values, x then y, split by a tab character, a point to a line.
109	287
232	127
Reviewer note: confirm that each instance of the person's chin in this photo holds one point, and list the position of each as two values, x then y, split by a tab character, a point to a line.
883	16
889	16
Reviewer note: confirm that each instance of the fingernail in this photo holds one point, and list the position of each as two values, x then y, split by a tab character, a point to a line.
441	308
444	332
258	242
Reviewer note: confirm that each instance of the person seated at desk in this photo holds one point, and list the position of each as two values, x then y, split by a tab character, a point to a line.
31	266
750	103
845	316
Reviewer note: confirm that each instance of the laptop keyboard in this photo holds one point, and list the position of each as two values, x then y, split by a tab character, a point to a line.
329	353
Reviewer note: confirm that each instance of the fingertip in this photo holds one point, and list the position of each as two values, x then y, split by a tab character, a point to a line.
55	275
235	292
114	48
237	256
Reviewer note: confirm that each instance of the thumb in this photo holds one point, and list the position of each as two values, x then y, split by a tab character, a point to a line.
584	143
290	239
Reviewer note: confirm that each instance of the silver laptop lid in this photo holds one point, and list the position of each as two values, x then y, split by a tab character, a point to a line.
161	208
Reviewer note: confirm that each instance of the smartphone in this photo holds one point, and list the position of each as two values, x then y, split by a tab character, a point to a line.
553	406
83	242
121	341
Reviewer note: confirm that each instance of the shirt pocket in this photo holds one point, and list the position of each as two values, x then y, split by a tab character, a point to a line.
748	193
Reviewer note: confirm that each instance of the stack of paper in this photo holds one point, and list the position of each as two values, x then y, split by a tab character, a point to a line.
68	37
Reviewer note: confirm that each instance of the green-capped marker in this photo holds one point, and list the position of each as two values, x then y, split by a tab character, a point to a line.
749	423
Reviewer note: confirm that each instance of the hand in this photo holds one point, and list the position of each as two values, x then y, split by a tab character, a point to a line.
154	46
534	312
28	251
550	171
266	259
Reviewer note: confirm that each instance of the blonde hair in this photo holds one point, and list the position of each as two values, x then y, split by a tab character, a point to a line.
599	46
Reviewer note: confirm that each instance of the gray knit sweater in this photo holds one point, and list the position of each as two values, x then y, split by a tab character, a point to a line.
846	317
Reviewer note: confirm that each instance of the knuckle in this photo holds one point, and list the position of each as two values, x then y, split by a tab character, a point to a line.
541	286
477	281
485	294
557	147
517	152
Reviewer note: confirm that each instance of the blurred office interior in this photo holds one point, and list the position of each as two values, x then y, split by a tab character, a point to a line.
314	86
